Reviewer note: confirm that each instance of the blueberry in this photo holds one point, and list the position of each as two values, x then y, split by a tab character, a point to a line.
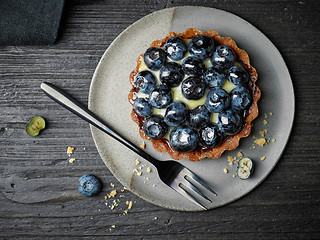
176	114
230	122
171	74
237	75
184	139
240	98
223	57
217	100
161	96
154	58
210	135
214	78
142	107
199	117
176	48
193	66
193	88
201	46
89	185
145	81
155	127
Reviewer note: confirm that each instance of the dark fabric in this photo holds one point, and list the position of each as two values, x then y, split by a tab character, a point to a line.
29	22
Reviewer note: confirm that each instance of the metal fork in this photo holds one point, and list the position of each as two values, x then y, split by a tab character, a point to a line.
172	173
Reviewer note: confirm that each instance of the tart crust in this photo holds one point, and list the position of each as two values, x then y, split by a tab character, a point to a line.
230	142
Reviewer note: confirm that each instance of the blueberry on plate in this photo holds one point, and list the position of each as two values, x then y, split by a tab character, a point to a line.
201	46
214	78
223	57
176	48
184	139
193	88
89	185
210	135
199	117
237	75
145	82
171	74
217	100
155	127
142	107
229	122
176	114
193	66
154	58
240	98
160	96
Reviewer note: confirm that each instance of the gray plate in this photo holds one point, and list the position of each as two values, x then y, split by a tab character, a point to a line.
110	87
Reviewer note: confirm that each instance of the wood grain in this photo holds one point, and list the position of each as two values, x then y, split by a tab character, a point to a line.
284	206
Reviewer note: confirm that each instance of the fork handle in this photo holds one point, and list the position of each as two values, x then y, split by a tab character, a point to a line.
80	110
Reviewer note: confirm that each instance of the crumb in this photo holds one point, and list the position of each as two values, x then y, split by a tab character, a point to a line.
122	190
112	185
155	218
106	203
113	193
225	170
239	154
263	158
70	150
153	185
129	203
137	162
230	159
105	197
263	132
143	145
261	142
149	170
270	113
71	160
233	175
273	140
138	173
265	115
113	226
125	212
91	218
265	122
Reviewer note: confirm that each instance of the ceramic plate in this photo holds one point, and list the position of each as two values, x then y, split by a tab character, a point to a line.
108	99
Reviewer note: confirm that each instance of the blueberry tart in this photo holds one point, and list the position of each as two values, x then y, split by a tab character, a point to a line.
194	94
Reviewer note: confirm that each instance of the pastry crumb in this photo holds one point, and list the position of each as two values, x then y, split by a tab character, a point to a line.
265	122
137	172
113	226
71	160
239	154
70	150
263	158
225	170
149	170
273	140
261	142
112	185
113	193
263	132
143	145
129	203
230	159
270	113
137	162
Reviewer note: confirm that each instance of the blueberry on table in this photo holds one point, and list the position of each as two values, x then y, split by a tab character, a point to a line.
35	125
193	88
230	122
214	78
193	66
171	74
199	117
160	96
201	46
154	58
142	107
237	75
176	48
89	185
217	100
223	57
145	81
210	135
155	127
176	114
184	139
240	98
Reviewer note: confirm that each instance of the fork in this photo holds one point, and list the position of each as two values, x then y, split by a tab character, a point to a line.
172	173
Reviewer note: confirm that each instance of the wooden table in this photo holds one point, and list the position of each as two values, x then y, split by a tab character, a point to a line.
35	171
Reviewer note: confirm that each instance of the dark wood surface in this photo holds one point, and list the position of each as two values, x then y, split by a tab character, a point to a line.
35	171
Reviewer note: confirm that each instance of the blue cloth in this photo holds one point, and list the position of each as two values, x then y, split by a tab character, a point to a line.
29	22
